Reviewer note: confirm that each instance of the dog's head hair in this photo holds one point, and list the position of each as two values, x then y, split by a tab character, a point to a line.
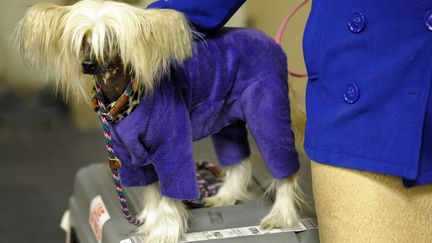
147	41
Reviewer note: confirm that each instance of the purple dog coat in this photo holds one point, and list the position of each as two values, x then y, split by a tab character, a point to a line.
234	79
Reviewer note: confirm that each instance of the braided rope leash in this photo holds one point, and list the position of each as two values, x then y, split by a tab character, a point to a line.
106	118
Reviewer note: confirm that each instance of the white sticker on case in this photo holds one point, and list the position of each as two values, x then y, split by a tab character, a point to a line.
304	224
98	216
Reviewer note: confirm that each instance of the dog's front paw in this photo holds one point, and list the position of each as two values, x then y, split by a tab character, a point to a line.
161	231
162	237
272	222
165	223
219	201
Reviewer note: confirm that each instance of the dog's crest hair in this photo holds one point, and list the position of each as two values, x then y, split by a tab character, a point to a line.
147	40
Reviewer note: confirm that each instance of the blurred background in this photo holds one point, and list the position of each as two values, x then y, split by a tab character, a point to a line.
44	141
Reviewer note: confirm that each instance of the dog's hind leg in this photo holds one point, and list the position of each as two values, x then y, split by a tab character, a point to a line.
232	149
165	219
234	188
287	199
266	107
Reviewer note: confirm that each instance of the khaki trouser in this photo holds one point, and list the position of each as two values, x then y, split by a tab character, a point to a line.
357	206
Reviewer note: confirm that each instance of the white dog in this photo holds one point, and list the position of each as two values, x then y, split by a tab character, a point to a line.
116	43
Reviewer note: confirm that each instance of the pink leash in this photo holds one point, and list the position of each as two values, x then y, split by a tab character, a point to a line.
282	27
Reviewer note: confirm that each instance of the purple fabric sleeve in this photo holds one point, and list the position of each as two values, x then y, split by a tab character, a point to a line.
155	142
132	174
170	134
231	144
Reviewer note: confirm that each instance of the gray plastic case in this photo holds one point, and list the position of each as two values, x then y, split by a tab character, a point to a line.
95	180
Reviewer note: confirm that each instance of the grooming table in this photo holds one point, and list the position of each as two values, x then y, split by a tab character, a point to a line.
94	215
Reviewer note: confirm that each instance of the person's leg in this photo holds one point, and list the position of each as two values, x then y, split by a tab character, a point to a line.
357	206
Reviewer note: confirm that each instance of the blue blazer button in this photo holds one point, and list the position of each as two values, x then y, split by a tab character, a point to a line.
352	93
428	20
356	22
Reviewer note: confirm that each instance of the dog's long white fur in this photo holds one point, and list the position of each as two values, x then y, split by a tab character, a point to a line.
165	218
234	188
288	195
148	40
288	199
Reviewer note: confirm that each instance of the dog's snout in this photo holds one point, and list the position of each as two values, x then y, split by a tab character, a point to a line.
89	67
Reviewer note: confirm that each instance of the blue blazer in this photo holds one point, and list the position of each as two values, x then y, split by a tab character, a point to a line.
205	15
370	71
368	95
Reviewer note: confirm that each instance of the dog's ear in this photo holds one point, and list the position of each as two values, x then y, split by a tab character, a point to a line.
39	38
163	38
38	33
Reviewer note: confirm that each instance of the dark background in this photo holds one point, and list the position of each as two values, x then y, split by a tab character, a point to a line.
40	152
